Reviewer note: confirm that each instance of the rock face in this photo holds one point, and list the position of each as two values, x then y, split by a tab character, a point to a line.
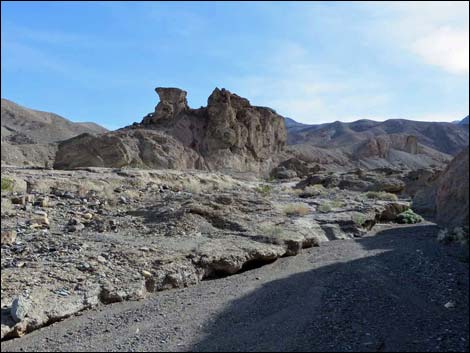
452	195
229	134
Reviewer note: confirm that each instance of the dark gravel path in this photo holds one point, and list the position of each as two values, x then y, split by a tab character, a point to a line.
381	293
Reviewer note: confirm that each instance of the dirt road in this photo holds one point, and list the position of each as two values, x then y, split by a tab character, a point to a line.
386	292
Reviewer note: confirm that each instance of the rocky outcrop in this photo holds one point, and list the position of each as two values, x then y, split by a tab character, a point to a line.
452	194
172	102
229	134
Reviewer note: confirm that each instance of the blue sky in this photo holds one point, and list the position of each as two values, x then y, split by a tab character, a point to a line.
315	62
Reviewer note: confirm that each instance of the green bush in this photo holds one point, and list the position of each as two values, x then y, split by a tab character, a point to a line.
7	184
409	217
381	195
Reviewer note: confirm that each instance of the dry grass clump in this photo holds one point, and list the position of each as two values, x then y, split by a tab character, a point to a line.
296	209
271	230
381	195
264	189
314	190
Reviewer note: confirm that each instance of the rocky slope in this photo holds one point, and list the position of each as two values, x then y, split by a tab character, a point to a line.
29	137
228	135
74	239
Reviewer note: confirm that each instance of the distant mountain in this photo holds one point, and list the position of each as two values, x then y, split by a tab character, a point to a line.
444	137
24	125
291	123
464	121
414	144
29	137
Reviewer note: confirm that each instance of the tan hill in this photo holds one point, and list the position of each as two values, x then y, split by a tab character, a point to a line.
24	125
29	137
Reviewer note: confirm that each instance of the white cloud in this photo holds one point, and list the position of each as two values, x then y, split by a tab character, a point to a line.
446	48
435	32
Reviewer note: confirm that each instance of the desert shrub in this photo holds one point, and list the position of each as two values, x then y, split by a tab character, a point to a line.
296	209
314	190
7	184
337	203
458	234
325	207
264	190
290	190
381	195
358	218
192	187
409	217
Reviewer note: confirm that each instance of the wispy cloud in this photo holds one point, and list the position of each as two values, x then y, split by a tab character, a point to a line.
311	93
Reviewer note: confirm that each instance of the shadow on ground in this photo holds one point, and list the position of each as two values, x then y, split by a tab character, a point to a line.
393	301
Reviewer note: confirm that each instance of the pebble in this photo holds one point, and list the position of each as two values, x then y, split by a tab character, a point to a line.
449	305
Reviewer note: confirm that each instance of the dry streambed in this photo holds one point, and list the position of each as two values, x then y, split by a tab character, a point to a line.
74	240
